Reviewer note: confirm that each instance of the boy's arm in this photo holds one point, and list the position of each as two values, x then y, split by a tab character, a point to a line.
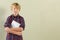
15	32
20	29
8	30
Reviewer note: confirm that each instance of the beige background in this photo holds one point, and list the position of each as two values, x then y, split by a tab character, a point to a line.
42	18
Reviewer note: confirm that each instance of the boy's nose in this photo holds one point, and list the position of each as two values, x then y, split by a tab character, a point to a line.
15	9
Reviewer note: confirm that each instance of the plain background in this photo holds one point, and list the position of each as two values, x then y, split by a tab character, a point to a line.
42	18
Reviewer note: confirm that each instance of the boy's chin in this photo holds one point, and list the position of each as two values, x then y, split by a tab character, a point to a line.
15	14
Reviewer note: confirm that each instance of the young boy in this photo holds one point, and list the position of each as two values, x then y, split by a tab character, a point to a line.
14	24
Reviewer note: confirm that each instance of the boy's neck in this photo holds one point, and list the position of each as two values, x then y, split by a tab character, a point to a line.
15	15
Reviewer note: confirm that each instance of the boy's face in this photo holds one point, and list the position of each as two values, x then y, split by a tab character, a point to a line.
15	10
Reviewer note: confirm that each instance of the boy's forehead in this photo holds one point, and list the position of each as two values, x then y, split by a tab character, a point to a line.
13	6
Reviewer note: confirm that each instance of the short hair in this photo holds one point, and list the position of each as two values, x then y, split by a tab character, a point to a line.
16	5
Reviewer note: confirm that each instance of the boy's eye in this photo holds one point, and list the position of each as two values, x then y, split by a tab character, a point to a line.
15	8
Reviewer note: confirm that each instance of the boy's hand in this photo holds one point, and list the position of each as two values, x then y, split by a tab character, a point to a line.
7	29
19	33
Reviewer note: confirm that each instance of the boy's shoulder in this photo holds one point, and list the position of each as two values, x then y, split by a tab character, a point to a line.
10	16
20	16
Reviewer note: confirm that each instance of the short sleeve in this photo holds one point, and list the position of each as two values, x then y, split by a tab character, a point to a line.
22	23
7	23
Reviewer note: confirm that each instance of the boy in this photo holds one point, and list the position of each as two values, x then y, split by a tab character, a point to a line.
14	24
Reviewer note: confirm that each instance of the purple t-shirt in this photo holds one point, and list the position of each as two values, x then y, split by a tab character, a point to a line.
8	22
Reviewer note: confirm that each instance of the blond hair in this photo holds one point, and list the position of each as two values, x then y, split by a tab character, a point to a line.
16	5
